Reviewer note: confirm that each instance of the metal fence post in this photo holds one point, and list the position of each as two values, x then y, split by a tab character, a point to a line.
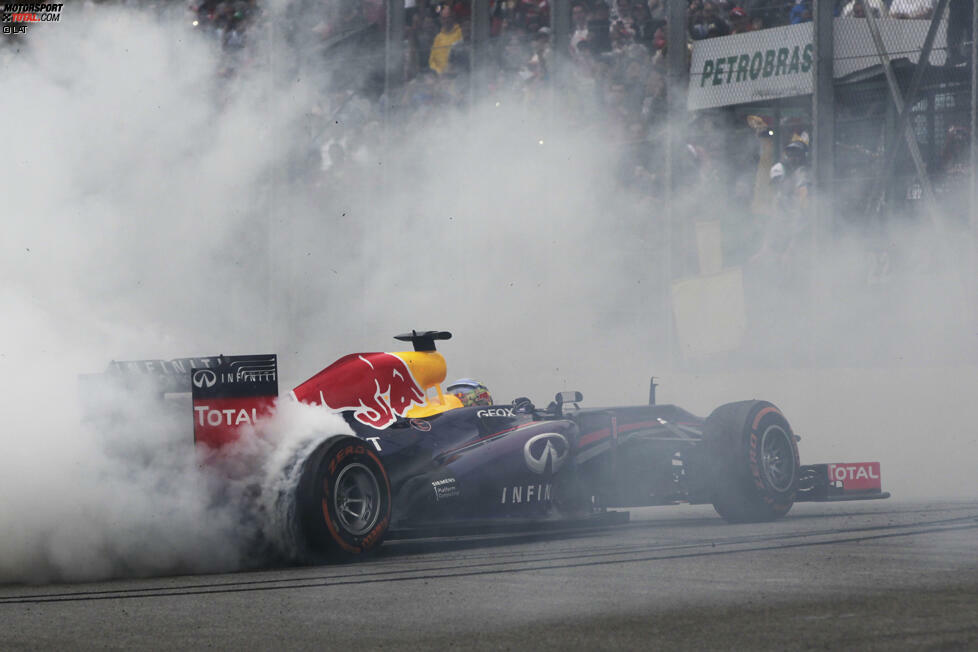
394	50
930	203
677	82
823	120
973	180
677	86
479	68
893	139
823	151
560	25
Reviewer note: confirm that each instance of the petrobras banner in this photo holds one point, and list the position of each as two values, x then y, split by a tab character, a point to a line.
777	62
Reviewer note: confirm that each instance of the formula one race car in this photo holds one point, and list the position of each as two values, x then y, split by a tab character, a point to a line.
419	458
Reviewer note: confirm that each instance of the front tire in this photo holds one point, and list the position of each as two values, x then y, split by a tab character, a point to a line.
753	456
343	500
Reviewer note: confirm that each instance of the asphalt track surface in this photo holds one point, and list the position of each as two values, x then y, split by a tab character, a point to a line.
870	575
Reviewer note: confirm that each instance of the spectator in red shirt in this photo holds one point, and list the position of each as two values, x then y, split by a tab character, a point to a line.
739	21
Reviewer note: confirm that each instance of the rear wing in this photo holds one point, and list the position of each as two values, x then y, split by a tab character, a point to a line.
235	393
220	393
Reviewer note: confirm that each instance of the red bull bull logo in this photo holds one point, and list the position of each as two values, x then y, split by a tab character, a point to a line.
377	387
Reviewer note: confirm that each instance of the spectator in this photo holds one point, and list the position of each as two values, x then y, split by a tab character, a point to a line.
954	170
621	37
801	12
616	110
426	34
783	236
599	29
538	64
707	22
739	21
461	9
695	21
654	100
643	25
412	47
657	9
534	13
911	8
762	203
959	30
716	25
635	72
659	43
622	10
513	52
579	17
422	91
586	82
770	13
857	9
445	40
636	162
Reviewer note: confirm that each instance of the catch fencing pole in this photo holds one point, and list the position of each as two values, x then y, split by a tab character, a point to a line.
823	148
823	117
278	178
903	118
930	202
478	60
560	31
393	74
677	77
393	52
973	194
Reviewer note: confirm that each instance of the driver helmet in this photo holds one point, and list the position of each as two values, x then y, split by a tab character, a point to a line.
470	392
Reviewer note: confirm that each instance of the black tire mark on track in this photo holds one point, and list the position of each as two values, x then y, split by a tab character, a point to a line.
401	558
517	556
469	570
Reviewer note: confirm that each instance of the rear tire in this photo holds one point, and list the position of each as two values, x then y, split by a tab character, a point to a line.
753	458
343	500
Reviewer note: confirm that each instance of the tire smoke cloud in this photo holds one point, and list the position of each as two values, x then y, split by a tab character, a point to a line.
131	233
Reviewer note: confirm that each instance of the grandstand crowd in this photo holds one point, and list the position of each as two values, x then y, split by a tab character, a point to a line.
616	77
616	81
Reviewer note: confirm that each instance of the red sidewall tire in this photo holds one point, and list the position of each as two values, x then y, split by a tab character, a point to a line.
325	531
748	487
777	494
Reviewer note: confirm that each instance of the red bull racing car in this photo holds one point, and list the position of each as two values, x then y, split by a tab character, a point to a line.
418	458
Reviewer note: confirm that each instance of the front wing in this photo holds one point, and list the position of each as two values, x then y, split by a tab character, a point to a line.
840	481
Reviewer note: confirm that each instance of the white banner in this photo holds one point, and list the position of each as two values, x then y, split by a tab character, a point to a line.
777	62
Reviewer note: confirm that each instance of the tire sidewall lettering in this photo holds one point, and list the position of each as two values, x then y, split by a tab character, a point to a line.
350	543
763	419
734	455
753	443
371	538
